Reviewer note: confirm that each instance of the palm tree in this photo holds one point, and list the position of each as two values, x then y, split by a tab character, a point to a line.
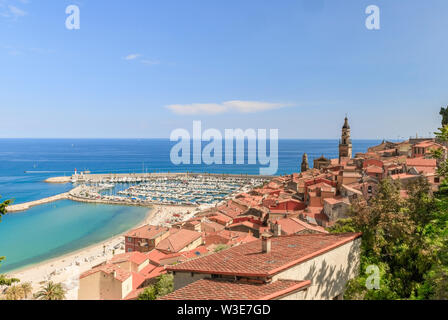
14	293
26	288
51	291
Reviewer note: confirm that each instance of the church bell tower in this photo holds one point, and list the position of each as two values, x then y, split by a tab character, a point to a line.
345	145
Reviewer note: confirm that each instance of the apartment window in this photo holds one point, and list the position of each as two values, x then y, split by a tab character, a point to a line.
129	239
129	250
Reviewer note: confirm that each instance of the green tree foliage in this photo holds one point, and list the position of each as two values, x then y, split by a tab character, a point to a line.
162	287
220	247
14	292
51	291
26	288
4	281
444	114
149	293
405	238
3	206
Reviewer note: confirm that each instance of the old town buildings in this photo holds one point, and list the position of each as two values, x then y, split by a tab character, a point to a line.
270	242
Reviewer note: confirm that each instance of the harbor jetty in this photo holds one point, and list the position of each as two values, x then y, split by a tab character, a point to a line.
59	180
82	177
27	205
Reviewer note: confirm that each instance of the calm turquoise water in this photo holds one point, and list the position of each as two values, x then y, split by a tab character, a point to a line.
54	229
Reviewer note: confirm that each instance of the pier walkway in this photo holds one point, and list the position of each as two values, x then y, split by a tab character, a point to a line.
27	205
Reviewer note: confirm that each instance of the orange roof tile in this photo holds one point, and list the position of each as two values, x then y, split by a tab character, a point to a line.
120	274
421	162
155	256
249	260
294	225
403	176
135	257
336	200
147	232
137	280
178	240
374	169
426	144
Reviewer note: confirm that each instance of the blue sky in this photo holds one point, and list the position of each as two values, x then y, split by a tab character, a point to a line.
142	68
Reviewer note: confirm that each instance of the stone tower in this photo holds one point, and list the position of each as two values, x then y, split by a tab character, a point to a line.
345	145
305	166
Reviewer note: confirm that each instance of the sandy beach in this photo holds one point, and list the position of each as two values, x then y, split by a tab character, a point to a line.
66	269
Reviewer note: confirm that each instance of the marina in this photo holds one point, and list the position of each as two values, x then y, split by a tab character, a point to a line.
193	190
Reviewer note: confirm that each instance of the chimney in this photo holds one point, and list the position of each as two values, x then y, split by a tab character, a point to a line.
277	229
265	243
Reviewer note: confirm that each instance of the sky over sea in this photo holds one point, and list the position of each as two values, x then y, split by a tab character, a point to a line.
140	69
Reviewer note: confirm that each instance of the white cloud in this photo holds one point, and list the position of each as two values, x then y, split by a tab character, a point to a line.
137	56
10	11
229	106
132	56
16	12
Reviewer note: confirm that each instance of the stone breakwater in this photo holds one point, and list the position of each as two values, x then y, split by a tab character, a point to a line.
27	205
142	177
59	180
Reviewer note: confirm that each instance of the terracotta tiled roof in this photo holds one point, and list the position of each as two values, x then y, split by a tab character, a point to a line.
249	260
150	267
212	226
374	169
426	144
135	257
134	294
249	224
403	176
155	256
188	254
178	240
220	218
230	212
227	237
426	170
316	213
137	280
120	274
209	289
147	232
294	225
336	200
421	162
